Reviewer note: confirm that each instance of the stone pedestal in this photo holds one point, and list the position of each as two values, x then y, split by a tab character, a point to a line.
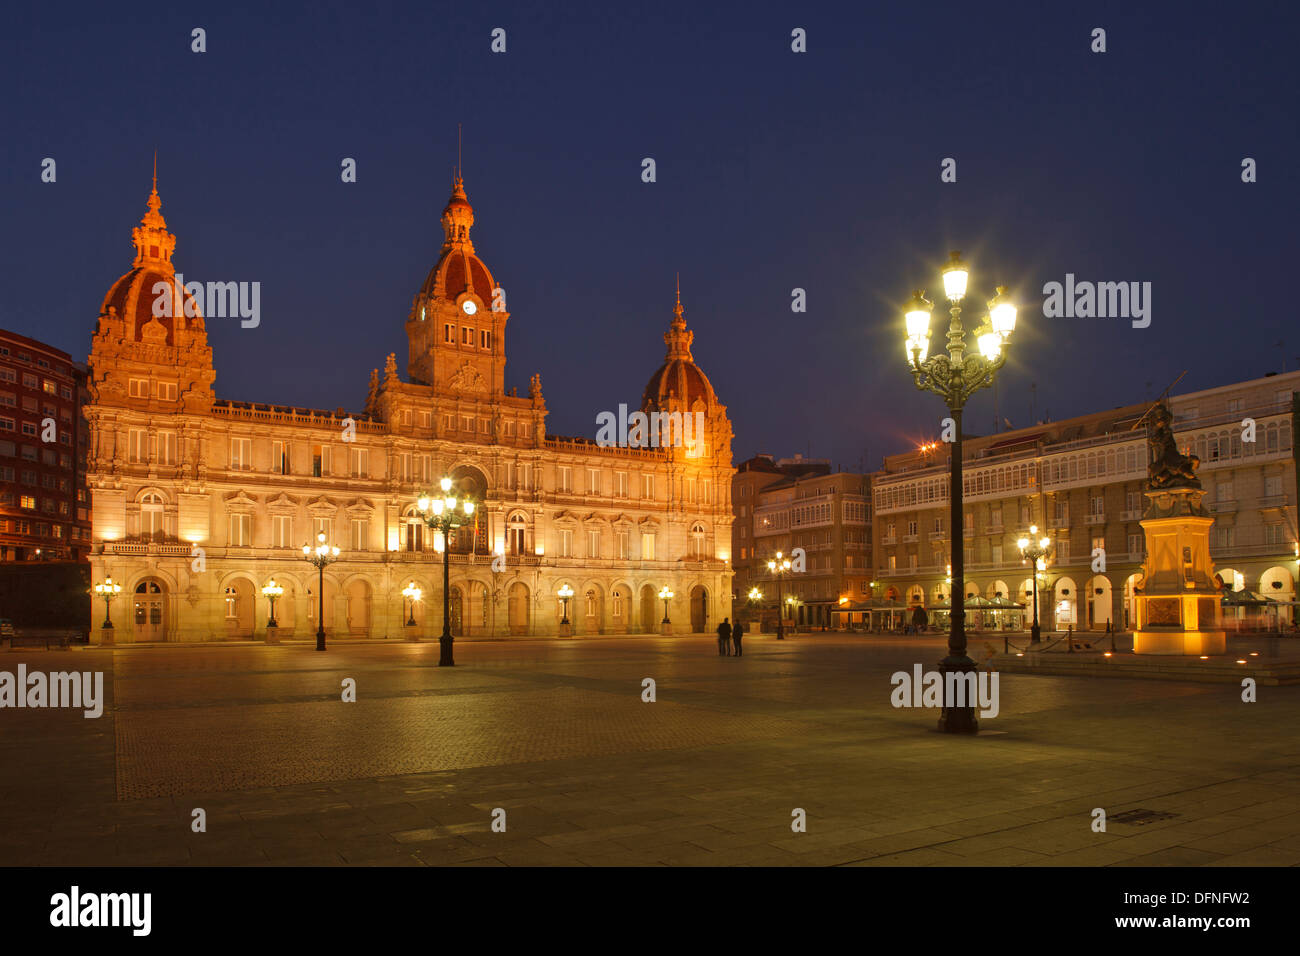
566	629
272	634
665	628
1178	609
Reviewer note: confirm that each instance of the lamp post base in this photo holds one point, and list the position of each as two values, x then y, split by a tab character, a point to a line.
320	639
566	629
954	719
444	646
272	633
106	635
1035	634
665	627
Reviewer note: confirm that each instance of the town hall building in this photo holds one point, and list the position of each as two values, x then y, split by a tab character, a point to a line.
199	502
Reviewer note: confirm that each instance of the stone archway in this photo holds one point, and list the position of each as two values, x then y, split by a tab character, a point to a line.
620	609
591	606
648	618
518	608
358	610
699	609
238	607
1098	596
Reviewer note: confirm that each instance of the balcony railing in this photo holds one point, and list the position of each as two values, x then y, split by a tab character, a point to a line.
1097	518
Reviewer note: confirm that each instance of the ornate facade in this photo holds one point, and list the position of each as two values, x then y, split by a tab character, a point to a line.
198	502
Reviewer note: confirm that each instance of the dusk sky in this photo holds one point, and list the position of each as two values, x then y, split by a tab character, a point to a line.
775	170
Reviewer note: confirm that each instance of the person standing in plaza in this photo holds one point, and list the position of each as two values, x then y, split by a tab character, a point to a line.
737	632
724	638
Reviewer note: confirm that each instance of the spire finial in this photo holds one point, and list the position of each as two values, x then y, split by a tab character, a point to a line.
155	170
677	309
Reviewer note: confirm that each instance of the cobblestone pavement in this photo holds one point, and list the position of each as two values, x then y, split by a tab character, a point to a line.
555	733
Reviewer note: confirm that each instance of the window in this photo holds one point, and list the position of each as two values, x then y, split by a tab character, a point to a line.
1096	506
1063	551
515	529
359	461
697	542
138	388
485	339
282	531
1136	544
151	517
27	501
232	604
241	454
647	546
566	543
466	335
320	460
593	481
449	333
167	391
137	445
1274	534
241	531
1225	537
996	555
167	448
279	458
29	428
1223	492
360	534
323	524
1273	485
593	544
624	548
648	486
413	533
620	484
566	479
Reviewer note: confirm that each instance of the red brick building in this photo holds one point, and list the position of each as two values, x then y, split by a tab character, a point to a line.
44	507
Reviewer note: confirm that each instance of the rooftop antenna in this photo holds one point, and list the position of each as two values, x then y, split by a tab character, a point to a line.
460	170
155	176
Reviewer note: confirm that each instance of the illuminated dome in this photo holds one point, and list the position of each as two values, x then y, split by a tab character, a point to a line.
458	269
679	381
132	297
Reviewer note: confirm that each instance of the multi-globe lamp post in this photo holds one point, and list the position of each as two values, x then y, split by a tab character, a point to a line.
666	595
1035	551
441	514
564	593
320	557
108	590
756	602
272	592
956	376
778	567
412	593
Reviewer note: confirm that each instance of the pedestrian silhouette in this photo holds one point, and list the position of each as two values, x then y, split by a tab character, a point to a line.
737	633
724	638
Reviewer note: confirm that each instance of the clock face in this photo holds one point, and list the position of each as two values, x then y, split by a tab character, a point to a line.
469	307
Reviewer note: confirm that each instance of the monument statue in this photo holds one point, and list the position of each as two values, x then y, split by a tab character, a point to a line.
1169	468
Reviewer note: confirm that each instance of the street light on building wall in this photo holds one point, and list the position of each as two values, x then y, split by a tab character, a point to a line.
1035	551
956	376
778	566
442	513
322	555
108	590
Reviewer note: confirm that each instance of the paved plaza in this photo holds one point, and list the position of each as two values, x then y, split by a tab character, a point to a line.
557	735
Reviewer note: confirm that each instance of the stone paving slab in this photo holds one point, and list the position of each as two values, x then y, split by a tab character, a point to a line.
556	734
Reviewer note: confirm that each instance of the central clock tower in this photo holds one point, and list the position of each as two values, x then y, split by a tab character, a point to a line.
457	324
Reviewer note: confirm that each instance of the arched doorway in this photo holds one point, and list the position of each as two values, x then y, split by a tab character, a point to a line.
1065	596
285	610
148	613
649	609
1277	583
592	606
238	605
359	608
1130	601
518	608
456	610
699	610
1099	602
620	606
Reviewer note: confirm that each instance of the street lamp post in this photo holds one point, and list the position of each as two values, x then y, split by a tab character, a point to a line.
412	594
756	601
666	595
441	514
319	557
778	566
565	592
108	590
1035	550
955	377
271	592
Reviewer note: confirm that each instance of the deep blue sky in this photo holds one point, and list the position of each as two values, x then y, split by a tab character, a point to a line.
775	170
